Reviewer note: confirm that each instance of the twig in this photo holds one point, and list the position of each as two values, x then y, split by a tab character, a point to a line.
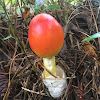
34	91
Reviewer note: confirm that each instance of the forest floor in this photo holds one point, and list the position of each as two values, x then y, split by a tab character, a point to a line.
21	69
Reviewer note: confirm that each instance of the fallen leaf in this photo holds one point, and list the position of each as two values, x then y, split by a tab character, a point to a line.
89	48
26	12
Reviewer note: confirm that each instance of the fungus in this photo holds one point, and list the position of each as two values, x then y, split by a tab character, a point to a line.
46	39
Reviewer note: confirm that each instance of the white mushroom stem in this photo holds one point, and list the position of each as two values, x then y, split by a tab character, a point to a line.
50	65
56	86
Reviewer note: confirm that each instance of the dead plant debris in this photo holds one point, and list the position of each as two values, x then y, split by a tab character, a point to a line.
21	69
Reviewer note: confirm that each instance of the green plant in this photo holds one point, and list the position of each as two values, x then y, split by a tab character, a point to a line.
96	35
40	3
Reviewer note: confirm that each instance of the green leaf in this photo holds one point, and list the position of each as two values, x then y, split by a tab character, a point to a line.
73	2
25	1
9	2
96	35
38	5
1	9
10	36
54	6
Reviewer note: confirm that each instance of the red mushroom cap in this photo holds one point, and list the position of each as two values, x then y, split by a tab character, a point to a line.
45	35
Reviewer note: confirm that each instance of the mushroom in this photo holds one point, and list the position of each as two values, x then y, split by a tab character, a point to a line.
46	39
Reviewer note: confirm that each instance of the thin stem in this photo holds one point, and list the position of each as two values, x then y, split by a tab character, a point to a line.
50	64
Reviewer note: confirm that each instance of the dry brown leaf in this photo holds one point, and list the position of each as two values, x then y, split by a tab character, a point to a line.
89	48
26	12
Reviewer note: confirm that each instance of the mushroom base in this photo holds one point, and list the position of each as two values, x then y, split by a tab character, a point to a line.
56	86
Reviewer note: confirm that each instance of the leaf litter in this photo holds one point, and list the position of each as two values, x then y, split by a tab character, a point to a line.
21	69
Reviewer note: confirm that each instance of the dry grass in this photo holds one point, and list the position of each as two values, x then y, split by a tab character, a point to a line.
23	69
